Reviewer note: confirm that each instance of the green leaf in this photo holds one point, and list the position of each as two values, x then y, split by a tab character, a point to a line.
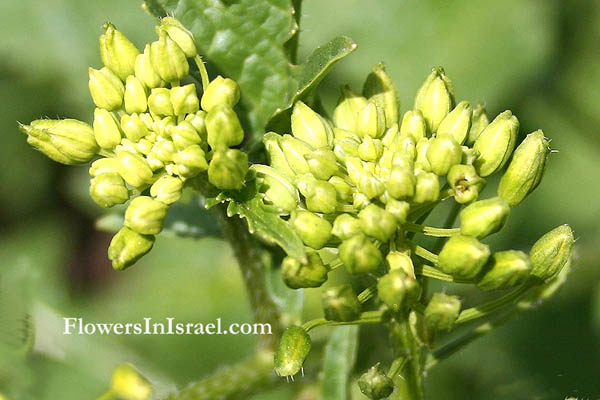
254	42
338	362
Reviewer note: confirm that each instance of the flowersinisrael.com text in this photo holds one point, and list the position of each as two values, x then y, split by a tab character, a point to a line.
167	326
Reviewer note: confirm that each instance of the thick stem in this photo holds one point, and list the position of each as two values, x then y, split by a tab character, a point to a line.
248	252
409	382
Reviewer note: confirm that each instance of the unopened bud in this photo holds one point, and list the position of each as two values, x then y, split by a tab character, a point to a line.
294	151
463	257
106	89
135	96
310	127
401	182
67	141
359	255
220	92
223	127
427	188
106	130
280	191
496	143
526	168
167	189
184	99
297	275
551	252
345	226
380	89
128	246
402	261
117	52
275	154
164	150
421	161
398	290
435	98
105	165
145	215
479	121
293	349
227	169
168	60
375	384
340	303
413	124
109	189
345	148
343	189
507	269
444	152
465	182
370	149
133	127
322	163
345	115
370	121
399	209
314	230
458	123
369	185
377	222
484	217
145	72
134	169
190	161
441	312
180	35
159	102
320	196
184	135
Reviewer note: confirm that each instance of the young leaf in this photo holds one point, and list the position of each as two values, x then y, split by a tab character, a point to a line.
340	355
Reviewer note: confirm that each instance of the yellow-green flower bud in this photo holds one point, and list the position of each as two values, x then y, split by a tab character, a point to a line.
145	215
128	246
380	89
435	98
133	127
399	209
184	135
159	102
484	217
310	127
167	189
117	52
220	92
443	153
507	269
320	196
314	230
377	222
190	161
50	151
465	182
344	148
458	123
106	130
343	189
228	168
104	166
370	121
421	161
294	151
402	261
441	312
359	255
345	115
398	290
413	124
163	126
401	182
297	275
526	168
109	189
427	188
390	135
293	349
67	141
180	35
135	96
375	384
280	191
370	149
223	127
134	169
168	60
184	99
128	383
551	252
345	226
198	121
370	186
275	154
106	89
463	257
479	121
144	146
145	72
340	303
496	143
322	163
165	150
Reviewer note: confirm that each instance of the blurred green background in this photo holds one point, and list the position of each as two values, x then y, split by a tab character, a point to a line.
539	58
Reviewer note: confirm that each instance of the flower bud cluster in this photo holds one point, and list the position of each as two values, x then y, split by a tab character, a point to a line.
152	131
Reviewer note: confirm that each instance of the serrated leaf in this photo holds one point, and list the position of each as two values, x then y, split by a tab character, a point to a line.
338	362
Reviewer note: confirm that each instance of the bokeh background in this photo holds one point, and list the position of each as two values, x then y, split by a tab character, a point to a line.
539	58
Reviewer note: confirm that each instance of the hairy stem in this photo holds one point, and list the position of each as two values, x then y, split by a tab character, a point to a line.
410	381
248	250
368	317
431	231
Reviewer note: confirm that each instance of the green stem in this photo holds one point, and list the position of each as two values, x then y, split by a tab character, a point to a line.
432	272
409	384
203	71
367	294
396	366
368	317
424	253
248	250
430	231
